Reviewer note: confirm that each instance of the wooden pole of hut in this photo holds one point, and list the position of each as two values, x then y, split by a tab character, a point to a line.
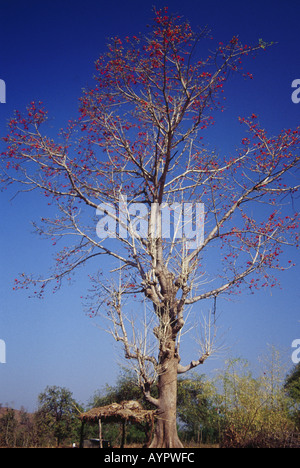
123	433
81	434
100	433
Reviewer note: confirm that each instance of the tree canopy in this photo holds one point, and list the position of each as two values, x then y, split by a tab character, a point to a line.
179	222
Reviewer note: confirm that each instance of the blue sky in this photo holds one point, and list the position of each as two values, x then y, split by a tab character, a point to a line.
47	53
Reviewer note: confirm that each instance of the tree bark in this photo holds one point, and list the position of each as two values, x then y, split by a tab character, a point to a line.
165	435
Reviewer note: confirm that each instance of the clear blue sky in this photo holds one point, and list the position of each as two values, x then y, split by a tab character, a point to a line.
47	52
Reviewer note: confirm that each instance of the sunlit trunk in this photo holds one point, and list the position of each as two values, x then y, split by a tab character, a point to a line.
165	435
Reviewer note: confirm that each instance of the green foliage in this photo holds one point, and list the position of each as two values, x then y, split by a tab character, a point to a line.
197	409
292	383
252	406
235	408
7	429
126	388
57	415
292	387
17	428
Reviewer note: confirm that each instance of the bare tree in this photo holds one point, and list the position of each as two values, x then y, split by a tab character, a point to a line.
127	179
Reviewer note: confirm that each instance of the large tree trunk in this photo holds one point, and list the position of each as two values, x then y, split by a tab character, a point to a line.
165	435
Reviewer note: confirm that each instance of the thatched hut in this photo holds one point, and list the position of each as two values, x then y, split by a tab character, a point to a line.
119	412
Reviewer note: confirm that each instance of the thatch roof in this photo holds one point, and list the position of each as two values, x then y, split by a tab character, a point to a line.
126	411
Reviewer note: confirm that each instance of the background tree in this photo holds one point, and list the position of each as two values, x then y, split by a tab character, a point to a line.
57	415
17	428
292	383
126	388
292	387
198	409
8	424
139	138
26	431
255	410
